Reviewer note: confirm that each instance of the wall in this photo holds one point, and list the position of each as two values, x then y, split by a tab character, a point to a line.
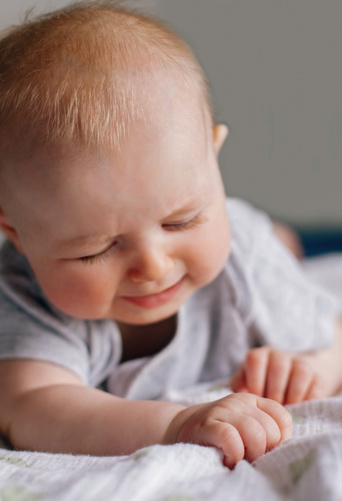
276	75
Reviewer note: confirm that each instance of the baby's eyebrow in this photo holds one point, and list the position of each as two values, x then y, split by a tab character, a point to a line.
83	240
185	209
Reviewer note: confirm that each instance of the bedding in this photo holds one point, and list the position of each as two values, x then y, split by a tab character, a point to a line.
306	467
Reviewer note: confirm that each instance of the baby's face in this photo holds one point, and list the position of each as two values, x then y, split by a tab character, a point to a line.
128	235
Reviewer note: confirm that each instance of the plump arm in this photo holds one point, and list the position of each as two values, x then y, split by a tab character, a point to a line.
45	407
290	378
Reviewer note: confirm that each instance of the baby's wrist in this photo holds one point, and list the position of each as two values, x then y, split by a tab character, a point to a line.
180	427
173	429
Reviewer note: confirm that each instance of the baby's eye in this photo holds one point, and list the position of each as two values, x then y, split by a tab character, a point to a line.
184	225
95	258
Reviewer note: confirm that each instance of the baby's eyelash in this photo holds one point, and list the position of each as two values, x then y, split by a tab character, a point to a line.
100	256
185	225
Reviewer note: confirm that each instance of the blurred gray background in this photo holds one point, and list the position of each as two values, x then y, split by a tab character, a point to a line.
275	69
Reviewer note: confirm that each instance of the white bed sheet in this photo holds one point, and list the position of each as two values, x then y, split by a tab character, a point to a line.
306	467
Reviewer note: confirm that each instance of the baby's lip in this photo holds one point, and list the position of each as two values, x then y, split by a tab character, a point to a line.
149	293
157	298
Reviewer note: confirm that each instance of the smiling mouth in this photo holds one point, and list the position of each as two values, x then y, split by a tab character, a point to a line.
154	300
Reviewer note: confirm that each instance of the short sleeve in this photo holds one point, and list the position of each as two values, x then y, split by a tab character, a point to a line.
284	308
31	328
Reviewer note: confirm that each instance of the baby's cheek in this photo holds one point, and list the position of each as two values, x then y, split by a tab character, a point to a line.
208	264
215	251
79	294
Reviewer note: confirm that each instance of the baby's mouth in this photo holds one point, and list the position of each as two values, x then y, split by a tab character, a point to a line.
154	300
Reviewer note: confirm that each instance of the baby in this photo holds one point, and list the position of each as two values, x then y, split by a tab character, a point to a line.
126	272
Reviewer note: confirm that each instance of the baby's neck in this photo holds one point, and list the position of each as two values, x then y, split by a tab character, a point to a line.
146	340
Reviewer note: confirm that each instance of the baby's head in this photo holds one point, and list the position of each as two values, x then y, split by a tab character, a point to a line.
80	75
109	181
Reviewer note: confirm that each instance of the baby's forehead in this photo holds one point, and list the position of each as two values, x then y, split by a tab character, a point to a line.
153	152
150	98
164	113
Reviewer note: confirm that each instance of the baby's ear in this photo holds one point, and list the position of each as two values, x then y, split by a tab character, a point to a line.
220	134
9	230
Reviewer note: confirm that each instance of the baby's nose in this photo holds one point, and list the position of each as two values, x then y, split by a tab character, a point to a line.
150	265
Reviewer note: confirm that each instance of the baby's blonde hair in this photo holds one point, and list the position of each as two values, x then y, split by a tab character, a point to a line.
72	75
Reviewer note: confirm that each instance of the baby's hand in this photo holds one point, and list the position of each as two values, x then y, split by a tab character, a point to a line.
285	377
241	425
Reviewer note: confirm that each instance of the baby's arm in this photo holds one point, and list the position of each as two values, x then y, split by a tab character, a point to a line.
291	377
45	407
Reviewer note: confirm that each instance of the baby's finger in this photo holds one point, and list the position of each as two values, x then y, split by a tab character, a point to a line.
270	426
238	381
226	437
317	389
254	436
279	370
280	415
255	366
301	379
